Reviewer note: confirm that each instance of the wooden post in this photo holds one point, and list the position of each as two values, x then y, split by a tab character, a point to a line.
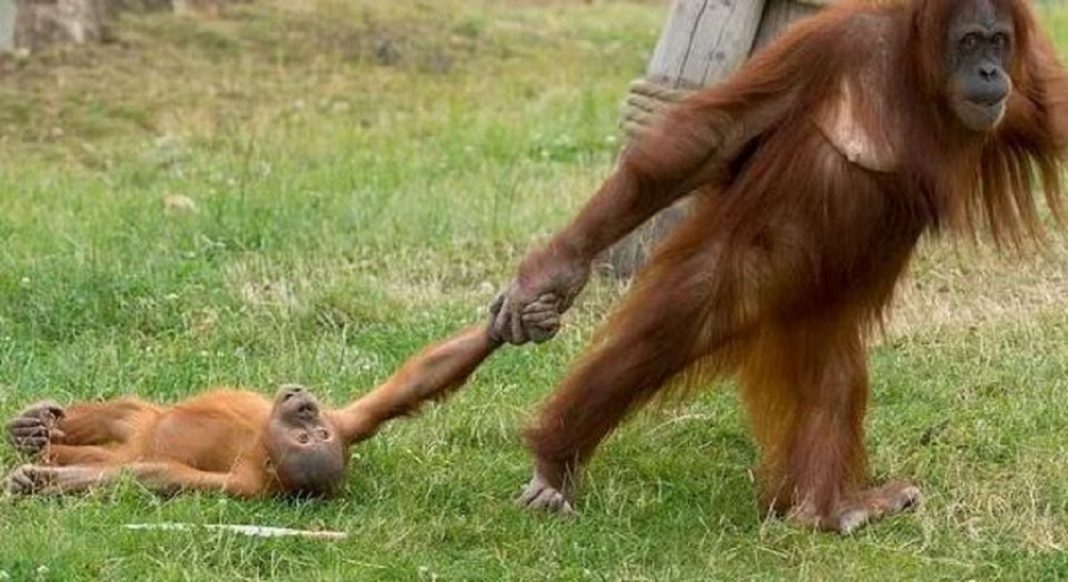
702	43
7	25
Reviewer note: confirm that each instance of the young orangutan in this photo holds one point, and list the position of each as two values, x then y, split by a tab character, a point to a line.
232	441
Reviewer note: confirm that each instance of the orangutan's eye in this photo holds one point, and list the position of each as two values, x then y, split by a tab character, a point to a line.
323	433
970	41
302	438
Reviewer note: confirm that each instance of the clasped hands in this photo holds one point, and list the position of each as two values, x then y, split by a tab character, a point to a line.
530	307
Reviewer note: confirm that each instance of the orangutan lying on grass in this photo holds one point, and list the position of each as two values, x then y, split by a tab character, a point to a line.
233	441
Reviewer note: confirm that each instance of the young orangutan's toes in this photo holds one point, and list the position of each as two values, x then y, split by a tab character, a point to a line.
29	479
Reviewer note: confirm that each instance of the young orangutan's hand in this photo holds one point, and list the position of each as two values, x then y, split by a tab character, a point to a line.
35	427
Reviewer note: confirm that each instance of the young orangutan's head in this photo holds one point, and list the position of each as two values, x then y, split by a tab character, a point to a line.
307	455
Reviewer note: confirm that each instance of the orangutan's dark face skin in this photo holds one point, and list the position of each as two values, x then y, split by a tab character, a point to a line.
306	452
980	43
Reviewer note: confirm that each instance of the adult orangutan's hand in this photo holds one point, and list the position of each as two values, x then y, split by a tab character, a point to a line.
530	308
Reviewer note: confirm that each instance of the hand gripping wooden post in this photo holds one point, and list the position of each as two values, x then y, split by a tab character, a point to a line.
702	42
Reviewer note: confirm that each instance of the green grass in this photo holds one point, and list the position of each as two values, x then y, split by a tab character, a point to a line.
366	174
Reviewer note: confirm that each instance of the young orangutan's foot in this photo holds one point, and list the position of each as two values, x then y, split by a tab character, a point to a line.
30	480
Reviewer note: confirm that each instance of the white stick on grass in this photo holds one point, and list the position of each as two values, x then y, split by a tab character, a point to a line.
261	531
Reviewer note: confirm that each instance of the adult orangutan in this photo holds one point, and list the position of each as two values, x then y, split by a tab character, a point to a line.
232	441
818	166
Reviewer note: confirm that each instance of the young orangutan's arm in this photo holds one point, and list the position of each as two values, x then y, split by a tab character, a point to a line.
432	374
45	425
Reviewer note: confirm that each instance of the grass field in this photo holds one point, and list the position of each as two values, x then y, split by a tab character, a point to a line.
366	174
